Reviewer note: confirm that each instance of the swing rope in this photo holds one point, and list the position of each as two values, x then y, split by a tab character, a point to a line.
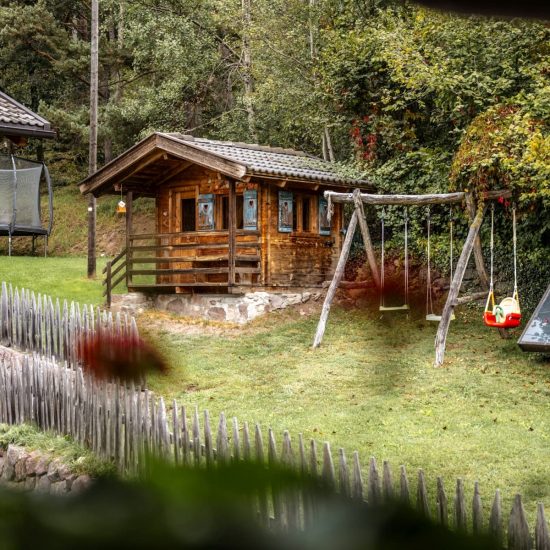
491	296
430	315
429	299
406	257
514	238
382	270
405	306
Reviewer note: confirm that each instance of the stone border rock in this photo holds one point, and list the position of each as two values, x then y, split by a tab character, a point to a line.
38	471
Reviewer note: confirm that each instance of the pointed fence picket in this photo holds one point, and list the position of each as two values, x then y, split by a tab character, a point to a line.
35	323
121	422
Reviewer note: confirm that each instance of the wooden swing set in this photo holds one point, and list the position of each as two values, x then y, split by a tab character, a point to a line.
471	244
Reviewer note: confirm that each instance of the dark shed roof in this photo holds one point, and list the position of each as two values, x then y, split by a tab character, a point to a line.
237	160
272	161
17	120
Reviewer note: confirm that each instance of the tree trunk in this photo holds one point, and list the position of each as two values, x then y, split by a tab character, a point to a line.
92	166
247	71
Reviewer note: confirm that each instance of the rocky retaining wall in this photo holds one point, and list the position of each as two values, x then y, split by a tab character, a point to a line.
37	471
214	307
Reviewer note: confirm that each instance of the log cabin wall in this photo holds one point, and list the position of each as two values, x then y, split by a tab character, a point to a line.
302	257
267	257
205	252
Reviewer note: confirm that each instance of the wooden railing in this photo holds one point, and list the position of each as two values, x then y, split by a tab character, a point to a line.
189	259
115	273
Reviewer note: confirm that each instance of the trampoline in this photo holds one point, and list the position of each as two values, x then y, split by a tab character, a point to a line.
20	199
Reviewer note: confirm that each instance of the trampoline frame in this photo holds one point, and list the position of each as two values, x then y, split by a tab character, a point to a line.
13	230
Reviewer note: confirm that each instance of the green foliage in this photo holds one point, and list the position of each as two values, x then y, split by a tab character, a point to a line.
214	508
401	90
508	147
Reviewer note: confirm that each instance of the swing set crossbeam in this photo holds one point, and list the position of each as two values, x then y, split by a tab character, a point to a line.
413	200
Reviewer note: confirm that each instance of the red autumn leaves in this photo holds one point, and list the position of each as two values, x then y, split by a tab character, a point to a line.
110	356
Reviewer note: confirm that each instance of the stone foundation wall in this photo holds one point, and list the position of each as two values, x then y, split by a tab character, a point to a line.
214	307
36	471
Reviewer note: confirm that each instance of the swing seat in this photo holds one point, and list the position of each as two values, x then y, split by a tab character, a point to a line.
404	307
506	315
434	317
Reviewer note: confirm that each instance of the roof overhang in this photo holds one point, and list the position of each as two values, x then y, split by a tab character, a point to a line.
41	129
147	152
159	151
20	130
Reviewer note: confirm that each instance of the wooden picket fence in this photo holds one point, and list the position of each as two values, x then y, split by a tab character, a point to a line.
121	423
34	322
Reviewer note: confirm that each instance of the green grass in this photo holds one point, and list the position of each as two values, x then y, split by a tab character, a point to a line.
78	459
57	277
371	387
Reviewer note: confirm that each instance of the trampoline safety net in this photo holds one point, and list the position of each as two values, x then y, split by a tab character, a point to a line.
20	197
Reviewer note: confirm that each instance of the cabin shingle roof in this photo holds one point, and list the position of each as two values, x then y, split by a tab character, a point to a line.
17	120
271	161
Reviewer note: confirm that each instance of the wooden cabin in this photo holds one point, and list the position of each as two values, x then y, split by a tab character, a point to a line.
230	217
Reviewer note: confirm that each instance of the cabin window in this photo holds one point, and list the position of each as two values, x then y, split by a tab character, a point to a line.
206	212
286	212
188	215
250	210
225	211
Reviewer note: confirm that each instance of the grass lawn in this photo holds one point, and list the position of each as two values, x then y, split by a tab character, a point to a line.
371	387
57	277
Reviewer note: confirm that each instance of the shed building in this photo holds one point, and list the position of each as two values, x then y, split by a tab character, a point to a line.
20	179
230	217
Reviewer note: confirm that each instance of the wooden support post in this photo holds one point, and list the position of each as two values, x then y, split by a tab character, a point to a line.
232	233
108	281
366	236
338	274
129	230
441	337
478	252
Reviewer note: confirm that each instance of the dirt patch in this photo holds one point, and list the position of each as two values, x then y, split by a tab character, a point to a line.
160	321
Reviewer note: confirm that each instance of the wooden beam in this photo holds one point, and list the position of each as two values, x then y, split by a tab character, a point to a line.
182	166
478	252
188	151
232	214
129	220
366	237
405	200
121	163
280	183
413	200
442	330
338	274
140	166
